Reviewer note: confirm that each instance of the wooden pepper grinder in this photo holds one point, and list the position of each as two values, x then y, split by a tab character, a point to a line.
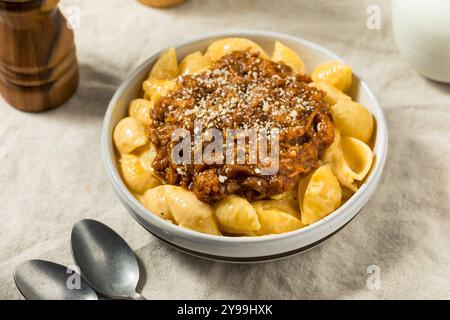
38	63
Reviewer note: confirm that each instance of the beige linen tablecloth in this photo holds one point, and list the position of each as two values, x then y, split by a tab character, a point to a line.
52	174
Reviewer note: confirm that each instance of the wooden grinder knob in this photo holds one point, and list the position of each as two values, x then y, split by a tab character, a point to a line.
38	63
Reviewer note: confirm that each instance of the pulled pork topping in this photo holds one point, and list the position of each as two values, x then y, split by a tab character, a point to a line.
242	91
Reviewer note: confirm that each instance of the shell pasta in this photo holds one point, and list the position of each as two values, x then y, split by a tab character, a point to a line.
182	207
321	168
236	215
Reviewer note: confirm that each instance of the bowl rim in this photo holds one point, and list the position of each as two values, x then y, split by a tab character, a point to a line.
353	204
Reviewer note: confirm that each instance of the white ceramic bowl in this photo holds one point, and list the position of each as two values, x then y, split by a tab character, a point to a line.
243	249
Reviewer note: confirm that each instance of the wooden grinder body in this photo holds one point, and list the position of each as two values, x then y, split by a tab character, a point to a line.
38	64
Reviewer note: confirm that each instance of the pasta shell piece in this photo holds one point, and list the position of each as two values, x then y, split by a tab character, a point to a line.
334	156
288	197
166	67
353	119
236	215
194	63
335	74
135	176
139	197
284	206
157	202
358	156
333	95
221	47
289	57
140	109
273	220
155	89
190	212
319	194
146	157
129	134
187	211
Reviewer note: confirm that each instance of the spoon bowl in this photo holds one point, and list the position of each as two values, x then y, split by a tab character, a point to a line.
105	260
44	280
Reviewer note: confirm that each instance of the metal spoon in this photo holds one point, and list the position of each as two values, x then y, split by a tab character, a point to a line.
105	260
44	280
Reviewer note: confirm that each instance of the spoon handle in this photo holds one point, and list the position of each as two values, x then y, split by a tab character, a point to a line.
138	296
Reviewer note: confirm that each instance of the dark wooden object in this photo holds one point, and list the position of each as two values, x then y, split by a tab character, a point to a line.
38	63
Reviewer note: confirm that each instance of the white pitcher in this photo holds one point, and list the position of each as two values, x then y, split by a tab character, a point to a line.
422	34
